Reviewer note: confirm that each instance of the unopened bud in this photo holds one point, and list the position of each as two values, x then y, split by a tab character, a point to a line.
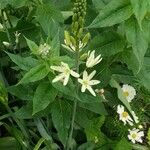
73	41
84	56
7	44
86	38
67	38
80	32
140	127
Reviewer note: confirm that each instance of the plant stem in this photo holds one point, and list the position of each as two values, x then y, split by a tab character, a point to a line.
75	102
5	26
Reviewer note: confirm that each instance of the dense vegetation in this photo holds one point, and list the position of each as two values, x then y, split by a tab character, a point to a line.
74	74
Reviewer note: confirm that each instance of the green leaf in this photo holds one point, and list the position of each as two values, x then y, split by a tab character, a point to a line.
138	40
61	115
32	45
55	46
44	95
121	96
116	11
139	9
24	63
49	17
96	107
123	144
93	131
107	44
9	143
23	92
3	94
35	74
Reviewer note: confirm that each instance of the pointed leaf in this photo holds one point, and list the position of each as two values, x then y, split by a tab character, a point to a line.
44	95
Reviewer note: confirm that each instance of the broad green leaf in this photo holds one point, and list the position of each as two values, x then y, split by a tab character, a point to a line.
44	95
121	96
25	112
98	4
113	13
61	115
139	9
123	144
35	74
138	40
23	92
55	46
107	44
9	143
32	45
96	107
49	17
24	63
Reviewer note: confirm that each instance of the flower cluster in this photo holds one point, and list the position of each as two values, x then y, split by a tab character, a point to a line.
135	135
44	50
86	81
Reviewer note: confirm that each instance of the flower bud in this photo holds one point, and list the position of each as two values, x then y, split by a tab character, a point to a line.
73	41
67	38
84	56
7	44
86	38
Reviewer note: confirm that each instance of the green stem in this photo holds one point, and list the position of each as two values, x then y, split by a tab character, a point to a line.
5	26
75	103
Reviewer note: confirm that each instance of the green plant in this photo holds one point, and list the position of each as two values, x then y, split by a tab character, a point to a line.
74	74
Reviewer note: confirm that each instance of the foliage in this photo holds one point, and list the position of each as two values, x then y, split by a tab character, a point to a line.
38	35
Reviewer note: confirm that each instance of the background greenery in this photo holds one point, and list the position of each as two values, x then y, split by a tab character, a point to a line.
39	113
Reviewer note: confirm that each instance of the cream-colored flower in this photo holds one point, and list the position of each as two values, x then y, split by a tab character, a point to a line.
44	50
87	82
124	116
135	135
65	73
91	60
129	92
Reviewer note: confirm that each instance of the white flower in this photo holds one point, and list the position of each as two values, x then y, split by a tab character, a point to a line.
91	60
44	50
136	119
87	82
129	92
135	135
124	116
65	73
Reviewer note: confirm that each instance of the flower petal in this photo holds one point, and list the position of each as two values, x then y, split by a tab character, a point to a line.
91	90
94	82
92	75
58	78
57	68
74	74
